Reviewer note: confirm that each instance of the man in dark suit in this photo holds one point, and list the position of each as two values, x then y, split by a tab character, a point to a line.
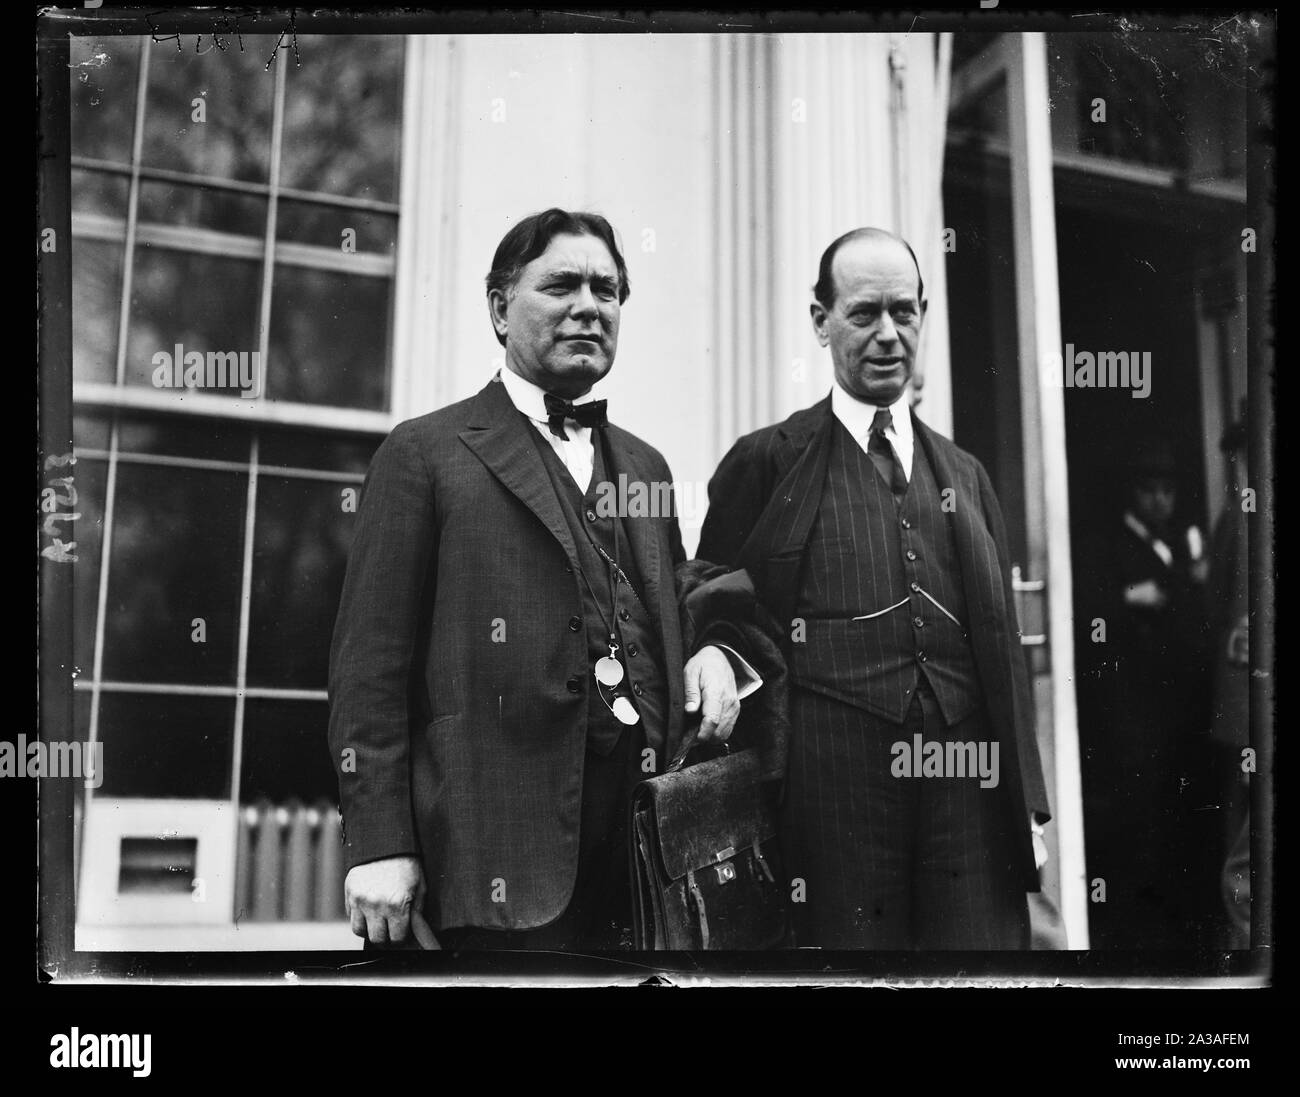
914	785
507	659
1150	767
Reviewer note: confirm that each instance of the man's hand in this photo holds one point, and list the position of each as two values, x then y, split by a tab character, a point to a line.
711	687
380	896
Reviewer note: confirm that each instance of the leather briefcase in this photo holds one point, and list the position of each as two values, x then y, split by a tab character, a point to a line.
705	863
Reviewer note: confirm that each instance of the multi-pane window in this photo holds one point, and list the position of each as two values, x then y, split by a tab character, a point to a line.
224	208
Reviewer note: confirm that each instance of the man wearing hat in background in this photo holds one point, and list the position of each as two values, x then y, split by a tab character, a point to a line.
1149	762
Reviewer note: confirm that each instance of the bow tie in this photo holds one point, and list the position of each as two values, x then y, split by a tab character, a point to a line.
590	414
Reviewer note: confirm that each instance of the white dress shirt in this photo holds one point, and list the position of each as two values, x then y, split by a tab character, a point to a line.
577	453
856	415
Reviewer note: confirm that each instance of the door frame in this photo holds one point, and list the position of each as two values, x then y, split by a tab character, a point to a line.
1045	585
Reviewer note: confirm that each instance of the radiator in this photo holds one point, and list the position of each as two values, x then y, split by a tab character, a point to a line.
289	863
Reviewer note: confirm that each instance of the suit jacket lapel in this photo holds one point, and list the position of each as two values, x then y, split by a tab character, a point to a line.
774	552
799	465
975	545
498	436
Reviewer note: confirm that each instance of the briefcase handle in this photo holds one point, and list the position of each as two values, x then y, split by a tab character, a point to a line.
689	743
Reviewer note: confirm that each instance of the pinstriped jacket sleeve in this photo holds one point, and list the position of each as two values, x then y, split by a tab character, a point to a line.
1035	791
738	493
370	657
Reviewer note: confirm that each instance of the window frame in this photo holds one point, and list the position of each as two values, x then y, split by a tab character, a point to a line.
117	400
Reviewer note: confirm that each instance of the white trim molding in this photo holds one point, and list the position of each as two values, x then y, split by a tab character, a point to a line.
423	315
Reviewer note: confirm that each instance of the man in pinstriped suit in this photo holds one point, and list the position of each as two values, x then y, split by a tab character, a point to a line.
882	544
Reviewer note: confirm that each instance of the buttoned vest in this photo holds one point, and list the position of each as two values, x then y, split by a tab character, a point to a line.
895	567
600	538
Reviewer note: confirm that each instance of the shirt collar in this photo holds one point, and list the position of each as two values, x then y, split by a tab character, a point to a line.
530	398
857	415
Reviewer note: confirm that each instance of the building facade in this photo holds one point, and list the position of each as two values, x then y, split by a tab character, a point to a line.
328	209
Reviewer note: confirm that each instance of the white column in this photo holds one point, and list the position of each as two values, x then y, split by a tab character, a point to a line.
831	170
1047	488
424	320
922	131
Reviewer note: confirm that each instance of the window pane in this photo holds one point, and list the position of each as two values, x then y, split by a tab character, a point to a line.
166	746
342	116
205	207
235	90
213	439
300	550
177	553
203	302
1147	128
96	298
286	753
104	76
90	481
311	450
323	224
90	432
329	338
102	192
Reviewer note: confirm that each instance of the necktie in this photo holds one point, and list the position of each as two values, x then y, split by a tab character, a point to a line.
883	456
590	414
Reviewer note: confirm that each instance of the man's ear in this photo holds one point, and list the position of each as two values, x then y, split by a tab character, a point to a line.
819	317
497	305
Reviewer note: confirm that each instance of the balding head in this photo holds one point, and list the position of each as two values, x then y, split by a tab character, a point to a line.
825	290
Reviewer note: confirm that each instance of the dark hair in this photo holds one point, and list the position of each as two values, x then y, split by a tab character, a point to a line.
532	236
824	290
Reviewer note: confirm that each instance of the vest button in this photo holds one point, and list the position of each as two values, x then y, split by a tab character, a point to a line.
636	688
911	555
632	649
918	622
623	615
574	684
591	515
921	656
916	587
907	524
575	623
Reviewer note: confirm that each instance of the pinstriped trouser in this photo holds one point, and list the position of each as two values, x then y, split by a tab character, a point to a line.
894	862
